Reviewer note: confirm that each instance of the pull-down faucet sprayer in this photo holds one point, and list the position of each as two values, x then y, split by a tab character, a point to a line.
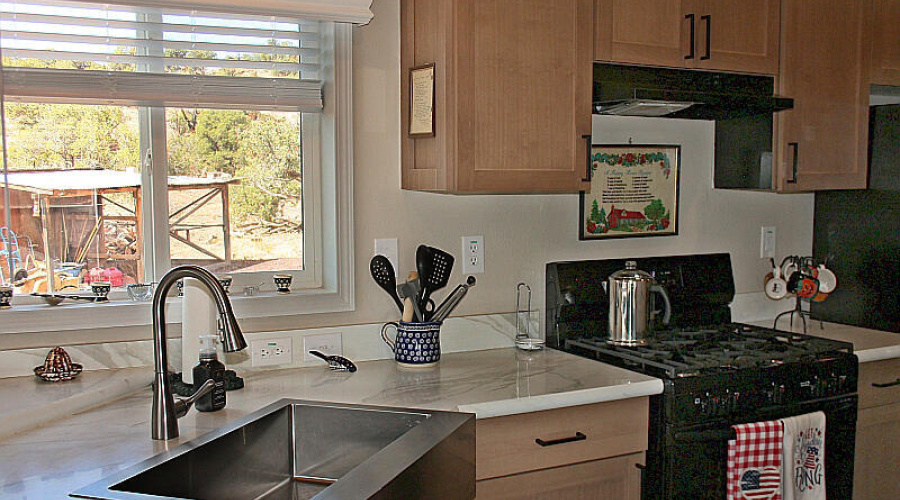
166	409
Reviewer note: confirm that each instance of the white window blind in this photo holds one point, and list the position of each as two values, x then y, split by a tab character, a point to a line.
114	54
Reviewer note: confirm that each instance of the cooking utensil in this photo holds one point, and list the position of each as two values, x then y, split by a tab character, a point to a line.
452	300
629	305
434	267
335	362
411	290
383	274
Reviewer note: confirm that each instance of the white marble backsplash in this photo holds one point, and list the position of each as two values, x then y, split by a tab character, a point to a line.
359	342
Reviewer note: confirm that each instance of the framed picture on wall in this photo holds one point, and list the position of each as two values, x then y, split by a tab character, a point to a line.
634	192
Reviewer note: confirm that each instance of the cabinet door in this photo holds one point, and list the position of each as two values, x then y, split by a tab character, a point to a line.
877	454
524	76
610	479
821	143
886	42
653	32
737	35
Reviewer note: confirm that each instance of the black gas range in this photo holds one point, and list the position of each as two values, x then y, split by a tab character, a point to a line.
715	373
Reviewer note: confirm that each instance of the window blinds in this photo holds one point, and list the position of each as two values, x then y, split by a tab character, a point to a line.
78	52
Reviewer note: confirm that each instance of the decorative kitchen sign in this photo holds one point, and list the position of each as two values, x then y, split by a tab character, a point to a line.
421	101
634	192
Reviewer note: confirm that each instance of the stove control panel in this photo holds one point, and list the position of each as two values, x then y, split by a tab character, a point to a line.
710	397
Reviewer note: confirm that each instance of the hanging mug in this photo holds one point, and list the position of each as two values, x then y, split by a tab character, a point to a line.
415	344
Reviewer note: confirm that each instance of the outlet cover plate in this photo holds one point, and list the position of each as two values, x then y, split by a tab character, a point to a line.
328	343
271	352
473	254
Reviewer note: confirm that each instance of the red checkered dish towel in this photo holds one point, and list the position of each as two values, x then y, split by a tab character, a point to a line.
754	461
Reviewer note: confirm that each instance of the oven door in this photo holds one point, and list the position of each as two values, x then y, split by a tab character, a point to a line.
691	459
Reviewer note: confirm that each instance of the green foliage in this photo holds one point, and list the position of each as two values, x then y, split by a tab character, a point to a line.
655	210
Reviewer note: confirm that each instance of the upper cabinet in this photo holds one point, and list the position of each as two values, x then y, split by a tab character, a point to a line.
512	94
885	33
822	143
723	35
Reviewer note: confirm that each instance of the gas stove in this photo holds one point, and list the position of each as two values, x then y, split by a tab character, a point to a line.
715	373
705	350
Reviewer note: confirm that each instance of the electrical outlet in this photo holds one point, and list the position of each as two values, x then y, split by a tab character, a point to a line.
329	343
473	254
767	242
271	352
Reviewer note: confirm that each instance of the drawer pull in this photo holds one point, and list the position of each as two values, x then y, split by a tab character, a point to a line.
889	384
577	437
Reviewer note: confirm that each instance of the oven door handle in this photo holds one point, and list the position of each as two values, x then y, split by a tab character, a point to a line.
697	436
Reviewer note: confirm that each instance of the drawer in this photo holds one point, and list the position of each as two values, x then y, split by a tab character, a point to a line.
879	372
509	445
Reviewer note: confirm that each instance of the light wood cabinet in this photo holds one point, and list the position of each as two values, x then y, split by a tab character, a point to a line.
822	142
616	478
885	38
878	432
575	452
512	101
725	35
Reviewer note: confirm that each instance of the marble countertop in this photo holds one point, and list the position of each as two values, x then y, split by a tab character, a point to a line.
52	460
868	345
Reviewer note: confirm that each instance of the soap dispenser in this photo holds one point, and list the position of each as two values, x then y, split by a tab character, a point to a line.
210	368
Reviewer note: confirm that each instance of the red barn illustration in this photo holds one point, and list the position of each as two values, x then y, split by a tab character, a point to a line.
624	218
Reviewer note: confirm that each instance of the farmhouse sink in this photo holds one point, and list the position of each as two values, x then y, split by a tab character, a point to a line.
297	449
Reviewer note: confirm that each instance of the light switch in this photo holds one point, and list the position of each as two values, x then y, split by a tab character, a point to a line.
388	248
767	243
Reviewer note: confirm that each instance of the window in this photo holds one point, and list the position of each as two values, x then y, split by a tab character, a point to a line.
142	138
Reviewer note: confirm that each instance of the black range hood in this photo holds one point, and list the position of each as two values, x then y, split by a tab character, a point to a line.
677	93
742	107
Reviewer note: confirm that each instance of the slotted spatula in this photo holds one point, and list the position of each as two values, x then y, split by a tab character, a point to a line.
434	266
383	274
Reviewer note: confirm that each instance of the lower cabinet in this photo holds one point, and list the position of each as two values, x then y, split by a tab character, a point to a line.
613	478
588	451
878	432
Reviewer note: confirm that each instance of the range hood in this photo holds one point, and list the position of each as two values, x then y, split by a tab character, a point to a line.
742	107
676	93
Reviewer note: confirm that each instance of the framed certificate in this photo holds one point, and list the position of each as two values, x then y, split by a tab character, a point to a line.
421	97
634	192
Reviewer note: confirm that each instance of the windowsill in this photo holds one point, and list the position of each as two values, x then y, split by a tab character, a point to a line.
37	318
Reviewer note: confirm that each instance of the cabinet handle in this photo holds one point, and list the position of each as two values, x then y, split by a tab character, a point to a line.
690	17
588	171
796	147
888	384
708	20
577	437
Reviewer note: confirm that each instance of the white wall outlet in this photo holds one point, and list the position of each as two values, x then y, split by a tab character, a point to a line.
271	352
767	243
388	248
473	254
329	343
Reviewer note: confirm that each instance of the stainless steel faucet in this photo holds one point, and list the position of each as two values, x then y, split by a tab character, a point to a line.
166	409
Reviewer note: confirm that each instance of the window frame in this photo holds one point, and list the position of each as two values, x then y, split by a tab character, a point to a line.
332	253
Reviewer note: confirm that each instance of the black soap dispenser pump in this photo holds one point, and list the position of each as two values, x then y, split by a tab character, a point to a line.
210	368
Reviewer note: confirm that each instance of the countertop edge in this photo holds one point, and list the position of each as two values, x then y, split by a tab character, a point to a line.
564	399
878	354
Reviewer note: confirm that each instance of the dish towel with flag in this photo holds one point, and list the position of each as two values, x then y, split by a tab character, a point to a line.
804	457
755	461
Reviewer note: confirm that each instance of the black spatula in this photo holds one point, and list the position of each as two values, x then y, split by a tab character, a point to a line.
383	274
434	266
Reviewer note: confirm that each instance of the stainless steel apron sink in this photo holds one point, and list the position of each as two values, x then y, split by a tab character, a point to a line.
295	449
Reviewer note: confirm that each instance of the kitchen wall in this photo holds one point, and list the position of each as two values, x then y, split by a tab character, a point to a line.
522	233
